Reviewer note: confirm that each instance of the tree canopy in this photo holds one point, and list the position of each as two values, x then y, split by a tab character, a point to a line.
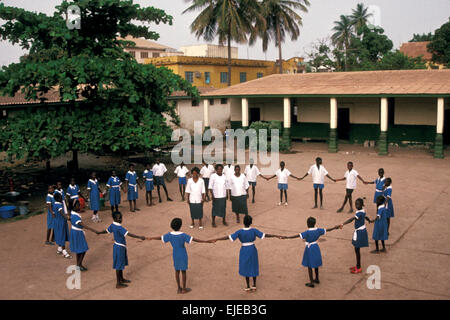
109	102
440	45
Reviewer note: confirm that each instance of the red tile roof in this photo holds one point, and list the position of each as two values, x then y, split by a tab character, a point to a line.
416	49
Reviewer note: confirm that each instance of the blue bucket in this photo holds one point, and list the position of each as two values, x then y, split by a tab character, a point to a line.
7	212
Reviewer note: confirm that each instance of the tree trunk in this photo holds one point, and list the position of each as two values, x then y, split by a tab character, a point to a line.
280	58
229	56
75	160
47	166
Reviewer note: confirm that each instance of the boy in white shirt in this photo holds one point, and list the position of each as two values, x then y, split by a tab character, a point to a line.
218	187
282	175
238	186
318	173
158	173
252	172
181	172
350	176
206	171
195	190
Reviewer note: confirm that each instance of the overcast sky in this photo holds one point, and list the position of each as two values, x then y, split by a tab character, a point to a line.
399	18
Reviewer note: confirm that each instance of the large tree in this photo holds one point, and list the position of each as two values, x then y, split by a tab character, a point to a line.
281	20
440	45
109	102
342	36
229	20
359	17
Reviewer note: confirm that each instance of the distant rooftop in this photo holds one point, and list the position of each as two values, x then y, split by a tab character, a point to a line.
416	49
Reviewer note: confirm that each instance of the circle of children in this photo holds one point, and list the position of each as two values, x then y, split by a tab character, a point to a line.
223	183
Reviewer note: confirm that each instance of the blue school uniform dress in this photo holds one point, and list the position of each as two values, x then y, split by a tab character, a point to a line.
60	225
380	227
148	176
50	220
177	239
114	184
77	238
72	192
390	205
120	257
379	186
248	255
312	258
360	238
132	178
94	195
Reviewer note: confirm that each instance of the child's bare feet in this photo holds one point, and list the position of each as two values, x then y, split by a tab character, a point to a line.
339	210
185	290
121	285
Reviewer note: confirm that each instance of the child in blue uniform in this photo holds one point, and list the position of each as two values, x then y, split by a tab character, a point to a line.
59	189
132	186
148	178
360	238
120	257
248	255
60	226
181	171
94	196
312	257
78	242
389	205
73	193
379	184
380	229
50	216
114	184
180	258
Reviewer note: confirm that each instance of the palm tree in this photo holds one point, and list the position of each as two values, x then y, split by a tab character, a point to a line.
281	18
343	35
230	20
360	17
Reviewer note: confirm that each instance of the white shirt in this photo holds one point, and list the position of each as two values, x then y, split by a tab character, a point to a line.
218	185
350	176
252	173
318	175
206	171
283	175
228	171
181	172
195	190
238	185
159	169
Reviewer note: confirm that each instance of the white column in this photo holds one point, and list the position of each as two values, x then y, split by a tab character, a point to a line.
440	116
206	112
384	114
333	113
244	112
287	112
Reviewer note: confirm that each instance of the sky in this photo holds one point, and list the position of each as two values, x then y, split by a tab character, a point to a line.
399	18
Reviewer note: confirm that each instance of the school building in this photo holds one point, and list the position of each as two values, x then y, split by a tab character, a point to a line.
401	106
212	72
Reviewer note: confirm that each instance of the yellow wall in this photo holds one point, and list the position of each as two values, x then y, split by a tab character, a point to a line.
181	64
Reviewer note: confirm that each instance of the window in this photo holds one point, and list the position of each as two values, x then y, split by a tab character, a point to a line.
155	54
259	75
207	77
243	77
133	54
224	77
144	54
223	101
195	103
211	102
189	76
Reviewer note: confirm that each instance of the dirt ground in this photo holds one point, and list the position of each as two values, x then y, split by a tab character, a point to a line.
416	265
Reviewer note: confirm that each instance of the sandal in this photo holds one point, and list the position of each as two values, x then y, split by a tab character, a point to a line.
200	228
191	226
253	288
354	271
247	289
68	256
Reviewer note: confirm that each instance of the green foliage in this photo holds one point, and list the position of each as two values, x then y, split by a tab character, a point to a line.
285	144
108	100
440	45
422	37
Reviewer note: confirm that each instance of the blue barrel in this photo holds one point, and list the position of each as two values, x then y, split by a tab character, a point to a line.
7	212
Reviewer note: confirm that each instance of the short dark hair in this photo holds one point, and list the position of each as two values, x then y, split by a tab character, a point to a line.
131	165
57	196
248	220
360	201
380	200
176	224
195	169
218	166
237	166
389	180
349	162
311	222
116	215
318	158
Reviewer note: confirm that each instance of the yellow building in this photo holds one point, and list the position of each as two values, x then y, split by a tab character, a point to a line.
213	72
